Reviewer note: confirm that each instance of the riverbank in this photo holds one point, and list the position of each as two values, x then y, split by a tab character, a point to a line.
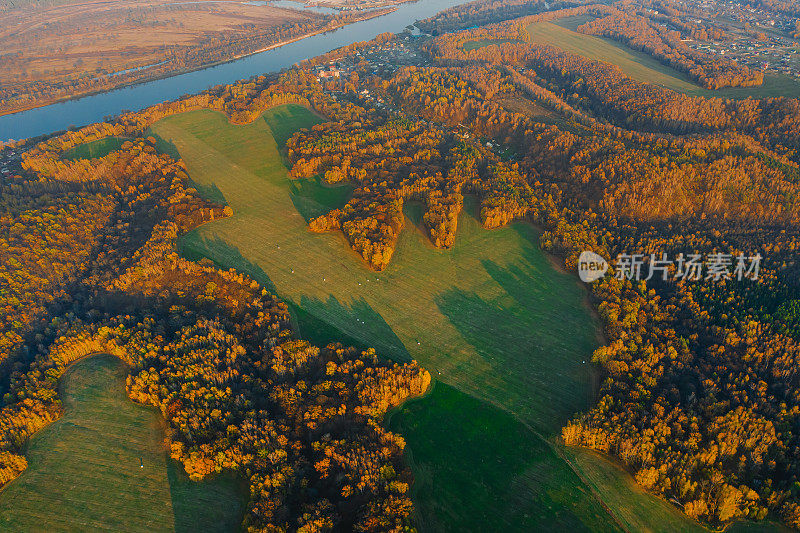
151	77
82	110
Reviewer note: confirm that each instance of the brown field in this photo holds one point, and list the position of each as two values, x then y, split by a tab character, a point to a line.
97	38
52	50
61	49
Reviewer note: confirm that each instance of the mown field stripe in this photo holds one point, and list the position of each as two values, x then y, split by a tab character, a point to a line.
508	333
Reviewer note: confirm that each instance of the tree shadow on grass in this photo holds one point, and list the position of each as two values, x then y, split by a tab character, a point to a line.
283	122
94	149
414	212
358	316
477	468
212	505
208	192
164	146
320	322
211	193
556	298
534	340
209	248
560	305
312	198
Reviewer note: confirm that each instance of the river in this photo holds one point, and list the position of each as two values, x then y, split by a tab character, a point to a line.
89	109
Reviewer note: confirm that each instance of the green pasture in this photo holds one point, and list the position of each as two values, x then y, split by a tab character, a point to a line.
94	149
642	67
507	336
103	467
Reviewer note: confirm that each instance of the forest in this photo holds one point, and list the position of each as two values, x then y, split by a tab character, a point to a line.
701	392
663	30
473	14
89	266
701	395
666	45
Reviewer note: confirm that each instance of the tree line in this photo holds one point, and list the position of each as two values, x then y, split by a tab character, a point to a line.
701	399
89	265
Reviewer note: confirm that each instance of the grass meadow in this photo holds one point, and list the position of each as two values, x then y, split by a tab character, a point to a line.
506	336
642	67
94	149
85	470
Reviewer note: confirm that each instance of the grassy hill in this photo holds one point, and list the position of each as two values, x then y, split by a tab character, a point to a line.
85	470
505	334
642	67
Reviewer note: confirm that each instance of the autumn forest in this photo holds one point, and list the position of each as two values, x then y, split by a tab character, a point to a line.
697	388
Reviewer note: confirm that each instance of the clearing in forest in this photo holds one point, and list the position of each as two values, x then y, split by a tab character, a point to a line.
103	467
642	67
507	336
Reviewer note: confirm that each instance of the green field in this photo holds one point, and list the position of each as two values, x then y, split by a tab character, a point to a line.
633	507
507	335
476	468
642	67
490	316
94	149
85	473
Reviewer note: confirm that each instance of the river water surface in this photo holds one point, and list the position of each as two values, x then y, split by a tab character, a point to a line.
94	108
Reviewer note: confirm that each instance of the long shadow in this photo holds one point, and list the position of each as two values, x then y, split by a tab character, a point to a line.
283	122
414	211
233	258
377	332
208	192
309	313
311	198
211	193
536	340
94	149
215	505
560	298
164	146
477	468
